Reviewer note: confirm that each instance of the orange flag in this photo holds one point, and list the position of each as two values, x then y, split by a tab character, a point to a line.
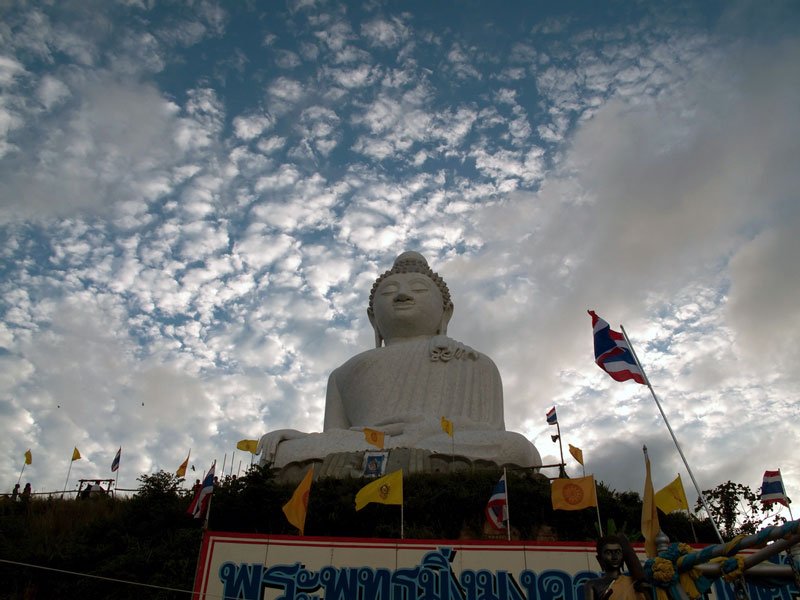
447	426
374	437
573	494
297	506
181	472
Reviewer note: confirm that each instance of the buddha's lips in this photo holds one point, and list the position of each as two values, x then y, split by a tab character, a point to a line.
404	304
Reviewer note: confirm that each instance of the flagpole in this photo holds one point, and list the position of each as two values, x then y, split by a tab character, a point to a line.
562	469
208	512
596	505
508	509
233	458
224	459
116	481
672	433
453	450
596	499
67	481
23	469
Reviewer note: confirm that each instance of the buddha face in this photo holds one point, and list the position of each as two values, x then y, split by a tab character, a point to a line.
407	305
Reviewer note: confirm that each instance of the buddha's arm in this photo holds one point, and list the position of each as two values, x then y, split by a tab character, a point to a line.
335	416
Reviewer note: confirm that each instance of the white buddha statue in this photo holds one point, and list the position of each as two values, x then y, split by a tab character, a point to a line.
413	377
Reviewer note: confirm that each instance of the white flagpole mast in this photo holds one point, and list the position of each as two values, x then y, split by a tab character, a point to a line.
67	481
597	507
672	433
508	507
116	481
23	470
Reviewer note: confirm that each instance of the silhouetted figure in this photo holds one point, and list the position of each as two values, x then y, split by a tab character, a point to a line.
612	552
26	493
15	493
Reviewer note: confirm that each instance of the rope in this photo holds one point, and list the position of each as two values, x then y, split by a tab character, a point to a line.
112	579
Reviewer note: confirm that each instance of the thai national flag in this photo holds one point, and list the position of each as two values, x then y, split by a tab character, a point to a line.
115	463
200	502
552	418
772	489
497	507
612	354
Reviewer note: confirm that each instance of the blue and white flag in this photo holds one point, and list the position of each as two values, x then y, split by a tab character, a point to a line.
772	489
612	354
552	417
497	507
115	464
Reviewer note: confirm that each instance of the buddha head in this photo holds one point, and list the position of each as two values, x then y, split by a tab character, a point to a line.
408	301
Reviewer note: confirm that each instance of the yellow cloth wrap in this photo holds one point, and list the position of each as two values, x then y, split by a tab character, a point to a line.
687	583
737	572
663	570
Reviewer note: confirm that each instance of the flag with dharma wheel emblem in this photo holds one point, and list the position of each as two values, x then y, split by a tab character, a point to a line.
573	494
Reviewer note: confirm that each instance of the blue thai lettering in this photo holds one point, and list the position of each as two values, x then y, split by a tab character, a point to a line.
528	581
243	581
339	583
291	579
432	579
554	585
404	584
375	584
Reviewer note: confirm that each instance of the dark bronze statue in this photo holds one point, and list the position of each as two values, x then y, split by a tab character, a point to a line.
612	553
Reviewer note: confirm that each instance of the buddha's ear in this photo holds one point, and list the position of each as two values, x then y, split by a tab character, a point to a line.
378	336
446	316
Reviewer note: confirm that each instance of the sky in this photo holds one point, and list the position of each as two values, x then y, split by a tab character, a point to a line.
195	198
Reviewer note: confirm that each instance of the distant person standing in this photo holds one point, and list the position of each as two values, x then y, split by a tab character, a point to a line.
15	493
26	493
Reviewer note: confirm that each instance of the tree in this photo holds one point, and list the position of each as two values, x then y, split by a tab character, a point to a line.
735	508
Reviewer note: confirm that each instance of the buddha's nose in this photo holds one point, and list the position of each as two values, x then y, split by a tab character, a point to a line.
403	297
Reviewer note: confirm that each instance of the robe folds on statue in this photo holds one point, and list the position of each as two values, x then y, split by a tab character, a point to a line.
439	378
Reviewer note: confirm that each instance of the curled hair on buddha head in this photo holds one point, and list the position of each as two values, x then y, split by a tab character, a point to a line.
413	262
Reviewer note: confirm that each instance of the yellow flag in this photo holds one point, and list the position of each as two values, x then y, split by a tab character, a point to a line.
577	453
181	472
75	454
386	490
672	497
374	437
297	506
650	524
28	456
447	426
247	445
573	494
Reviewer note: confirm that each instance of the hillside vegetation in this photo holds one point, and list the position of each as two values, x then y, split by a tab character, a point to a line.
149	538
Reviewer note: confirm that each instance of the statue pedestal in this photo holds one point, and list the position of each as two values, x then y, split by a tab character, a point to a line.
343	465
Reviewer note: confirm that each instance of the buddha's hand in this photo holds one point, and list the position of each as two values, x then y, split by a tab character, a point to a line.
443	348
268	444
399	424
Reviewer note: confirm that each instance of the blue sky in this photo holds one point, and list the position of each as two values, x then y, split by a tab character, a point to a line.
196	197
